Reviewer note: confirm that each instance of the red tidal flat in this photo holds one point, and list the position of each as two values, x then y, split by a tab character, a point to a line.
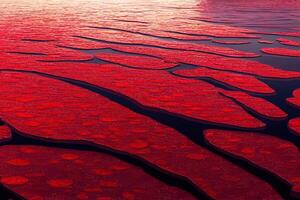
289	34
294	125
181	28
113	36
5	133
257	104
241	81
281	52
175	35
86	116
288	42
185	27
275	155
75	42
193	99
211	61
46	51
292	34
144	30
37	172
295	100
166	64
190	57
141	62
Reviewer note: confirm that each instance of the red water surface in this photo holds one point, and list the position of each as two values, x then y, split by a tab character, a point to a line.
116	100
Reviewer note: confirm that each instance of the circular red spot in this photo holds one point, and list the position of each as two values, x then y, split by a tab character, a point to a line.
138	144
28	149
60	183
32	123
103	172
69	156
107	119
247	150
24	115
14	180
109	183
18	162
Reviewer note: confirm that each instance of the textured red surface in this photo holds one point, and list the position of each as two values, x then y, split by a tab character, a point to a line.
257	104
295	100
191	98
241	81
270	153
113	36
108	124
36	172
288	42
146	31
146	87
48	51
281	52
212	61
140	62
203	62
294	125
214	30
5	133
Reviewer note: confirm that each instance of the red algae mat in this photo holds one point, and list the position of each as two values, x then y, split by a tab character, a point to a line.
36	171
271	156
144	99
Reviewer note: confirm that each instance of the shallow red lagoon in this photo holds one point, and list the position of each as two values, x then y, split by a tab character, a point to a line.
153	99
